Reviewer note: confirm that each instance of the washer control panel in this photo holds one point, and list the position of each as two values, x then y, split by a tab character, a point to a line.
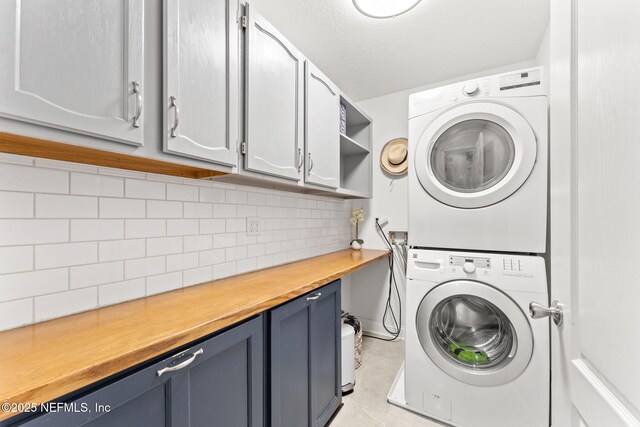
470	265
515	267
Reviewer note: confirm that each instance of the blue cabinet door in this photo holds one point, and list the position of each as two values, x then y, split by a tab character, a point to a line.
325	354
217	382
304	349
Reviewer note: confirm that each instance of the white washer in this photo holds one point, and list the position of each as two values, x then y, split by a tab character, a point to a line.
474	357
478	164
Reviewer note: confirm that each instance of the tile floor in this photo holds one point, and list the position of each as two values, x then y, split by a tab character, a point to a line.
367	406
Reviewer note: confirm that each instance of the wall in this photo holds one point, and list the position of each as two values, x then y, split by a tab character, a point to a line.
75	237
369	287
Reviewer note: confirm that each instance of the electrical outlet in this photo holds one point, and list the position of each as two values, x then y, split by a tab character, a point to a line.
254	226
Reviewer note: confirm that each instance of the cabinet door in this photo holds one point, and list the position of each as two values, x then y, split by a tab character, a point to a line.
305	375
322	129
325	350
142	399
274	101
75	65
201	79
225	384
290	390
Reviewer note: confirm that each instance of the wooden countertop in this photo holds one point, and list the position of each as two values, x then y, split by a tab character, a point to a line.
41	362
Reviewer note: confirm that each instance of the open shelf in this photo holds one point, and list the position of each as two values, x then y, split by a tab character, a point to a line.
355	153
350	147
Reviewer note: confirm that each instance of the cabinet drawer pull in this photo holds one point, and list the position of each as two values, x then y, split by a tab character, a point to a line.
181	365
136	118
176	117
315	297
310	162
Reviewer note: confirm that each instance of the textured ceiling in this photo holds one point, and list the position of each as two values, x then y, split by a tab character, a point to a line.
437	40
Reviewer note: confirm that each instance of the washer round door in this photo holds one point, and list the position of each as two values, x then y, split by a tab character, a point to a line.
474	332
475	155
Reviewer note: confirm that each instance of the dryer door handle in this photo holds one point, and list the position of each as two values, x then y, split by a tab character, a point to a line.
539	311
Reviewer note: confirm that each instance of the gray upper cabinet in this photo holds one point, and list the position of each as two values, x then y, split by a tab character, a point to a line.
274	101
322	129
74	65
201	79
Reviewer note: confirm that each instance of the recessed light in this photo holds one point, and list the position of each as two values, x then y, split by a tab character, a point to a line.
384	8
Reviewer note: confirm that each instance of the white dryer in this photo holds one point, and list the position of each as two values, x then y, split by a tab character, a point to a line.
478	165
474	357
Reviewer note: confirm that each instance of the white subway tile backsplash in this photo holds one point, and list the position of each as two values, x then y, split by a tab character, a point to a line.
185	193
83	230
235	225
225	269
33	283
182	227
212	226
136	228
96	274
16	313
197	210
73	237
16	258
65	303
162	209
256	199
197	243
28	178
66	254
244	211
245	265
122	208
224	240
121	249
33	231
141	189
235	253
224	211
182	261
134	268
15	159
196	276
164	282
16	205
212	195
237	197
57	206
121	291
96	185
164	246
210	257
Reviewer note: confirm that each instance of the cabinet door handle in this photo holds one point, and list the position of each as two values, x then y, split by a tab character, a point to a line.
300	159
315	297
136	118
181	365
176	117
310	162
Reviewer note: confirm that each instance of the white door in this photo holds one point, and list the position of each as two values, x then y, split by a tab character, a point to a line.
595	206
201	79
476	154
74	65
274	103
322	129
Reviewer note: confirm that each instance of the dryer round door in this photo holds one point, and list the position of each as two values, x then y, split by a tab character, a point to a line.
475	155
474	332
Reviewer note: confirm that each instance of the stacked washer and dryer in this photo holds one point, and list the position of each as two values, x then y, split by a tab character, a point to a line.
477	220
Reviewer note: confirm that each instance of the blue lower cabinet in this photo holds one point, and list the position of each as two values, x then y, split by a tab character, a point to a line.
304	350
217	382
